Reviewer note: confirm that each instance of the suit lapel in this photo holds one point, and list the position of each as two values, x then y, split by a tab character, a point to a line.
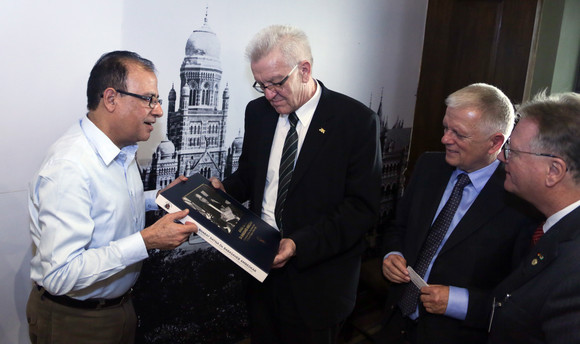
485	206
314	139
428	204
543	254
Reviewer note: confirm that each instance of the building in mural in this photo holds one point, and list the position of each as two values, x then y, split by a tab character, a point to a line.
196	120
395	143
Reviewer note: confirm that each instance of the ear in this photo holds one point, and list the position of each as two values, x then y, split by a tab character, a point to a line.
557	171
305	70
109	102
496	141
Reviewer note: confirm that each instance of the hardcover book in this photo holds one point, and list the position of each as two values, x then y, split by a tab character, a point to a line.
224	223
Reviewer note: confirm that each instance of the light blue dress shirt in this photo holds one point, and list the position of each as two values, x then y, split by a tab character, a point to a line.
87	208
458	297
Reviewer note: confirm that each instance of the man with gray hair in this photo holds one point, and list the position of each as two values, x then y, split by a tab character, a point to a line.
540	301
311	167
455	226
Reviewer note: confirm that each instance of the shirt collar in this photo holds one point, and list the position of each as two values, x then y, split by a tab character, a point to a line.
103	145
480	177
552	220
306	111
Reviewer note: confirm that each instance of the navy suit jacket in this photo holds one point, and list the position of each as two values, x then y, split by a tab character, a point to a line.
483	248
332	201
544	291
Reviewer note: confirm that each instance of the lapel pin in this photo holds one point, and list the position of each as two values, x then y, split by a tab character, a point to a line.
322	130
534	262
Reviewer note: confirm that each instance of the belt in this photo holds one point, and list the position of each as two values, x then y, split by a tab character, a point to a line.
85	304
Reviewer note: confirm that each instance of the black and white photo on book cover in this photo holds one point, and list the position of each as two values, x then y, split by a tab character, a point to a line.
224	223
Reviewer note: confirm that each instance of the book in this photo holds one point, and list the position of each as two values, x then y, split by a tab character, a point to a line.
225	224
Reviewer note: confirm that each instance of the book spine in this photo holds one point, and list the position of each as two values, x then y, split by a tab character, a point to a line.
215	241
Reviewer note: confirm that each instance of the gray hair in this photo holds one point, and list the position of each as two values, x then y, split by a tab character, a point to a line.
292	43
495	107
558	120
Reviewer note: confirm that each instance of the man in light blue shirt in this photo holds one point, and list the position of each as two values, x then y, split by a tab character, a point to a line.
476	247
87	210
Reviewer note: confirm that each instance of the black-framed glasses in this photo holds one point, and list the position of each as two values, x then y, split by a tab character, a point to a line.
153	100
507	150
258	86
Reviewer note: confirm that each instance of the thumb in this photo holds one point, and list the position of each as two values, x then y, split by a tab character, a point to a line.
179	215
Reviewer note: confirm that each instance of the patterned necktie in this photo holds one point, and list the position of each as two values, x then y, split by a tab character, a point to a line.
538	233
410	298
286	168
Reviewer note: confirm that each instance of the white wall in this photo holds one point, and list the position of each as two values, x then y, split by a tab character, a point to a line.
48	49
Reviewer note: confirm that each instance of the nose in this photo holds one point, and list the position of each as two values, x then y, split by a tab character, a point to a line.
157	111
270	93
447	137
501	156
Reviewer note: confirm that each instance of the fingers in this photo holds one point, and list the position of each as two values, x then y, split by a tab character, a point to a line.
395	269
286	251
167	233
435	298
216	183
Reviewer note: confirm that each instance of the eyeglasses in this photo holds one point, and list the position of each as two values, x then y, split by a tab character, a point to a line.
507	150
258	86
153	100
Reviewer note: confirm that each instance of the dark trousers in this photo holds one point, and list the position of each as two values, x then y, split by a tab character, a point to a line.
398	329
50	322
274	318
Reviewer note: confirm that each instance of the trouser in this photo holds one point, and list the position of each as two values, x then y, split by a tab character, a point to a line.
51	322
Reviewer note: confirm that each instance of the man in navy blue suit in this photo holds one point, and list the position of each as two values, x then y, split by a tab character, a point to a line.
483	239
540	301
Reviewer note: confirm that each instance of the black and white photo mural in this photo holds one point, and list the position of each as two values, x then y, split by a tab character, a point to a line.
193	294
369	50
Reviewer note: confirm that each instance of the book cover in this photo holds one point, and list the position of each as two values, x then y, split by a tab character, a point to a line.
224	223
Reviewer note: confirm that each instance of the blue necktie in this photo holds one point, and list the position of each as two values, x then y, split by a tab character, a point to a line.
410	298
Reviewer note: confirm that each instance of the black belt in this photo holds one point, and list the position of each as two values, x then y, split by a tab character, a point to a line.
85	304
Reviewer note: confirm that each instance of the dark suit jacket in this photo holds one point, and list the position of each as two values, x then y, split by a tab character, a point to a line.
483	248
332	201
544	301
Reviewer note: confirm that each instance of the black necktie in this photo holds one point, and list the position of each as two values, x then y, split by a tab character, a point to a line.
410	298
286	168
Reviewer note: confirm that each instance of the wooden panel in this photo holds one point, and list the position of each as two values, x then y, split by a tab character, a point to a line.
469	41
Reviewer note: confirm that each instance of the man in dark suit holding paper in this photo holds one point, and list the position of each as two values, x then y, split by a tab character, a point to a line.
540	301
464	259
326	204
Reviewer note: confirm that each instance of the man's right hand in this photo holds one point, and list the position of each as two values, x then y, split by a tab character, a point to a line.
395	269
167	233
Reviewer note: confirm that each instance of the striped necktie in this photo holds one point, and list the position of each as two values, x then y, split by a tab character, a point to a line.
286	168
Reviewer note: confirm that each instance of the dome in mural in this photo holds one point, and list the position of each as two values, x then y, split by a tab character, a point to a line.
203	42
238	143
166	149
185	90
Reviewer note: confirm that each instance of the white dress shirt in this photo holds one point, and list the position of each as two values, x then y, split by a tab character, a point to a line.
304	114
87	208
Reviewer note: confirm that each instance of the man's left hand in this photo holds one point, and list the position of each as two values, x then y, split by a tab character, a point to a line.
435	298
286	251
